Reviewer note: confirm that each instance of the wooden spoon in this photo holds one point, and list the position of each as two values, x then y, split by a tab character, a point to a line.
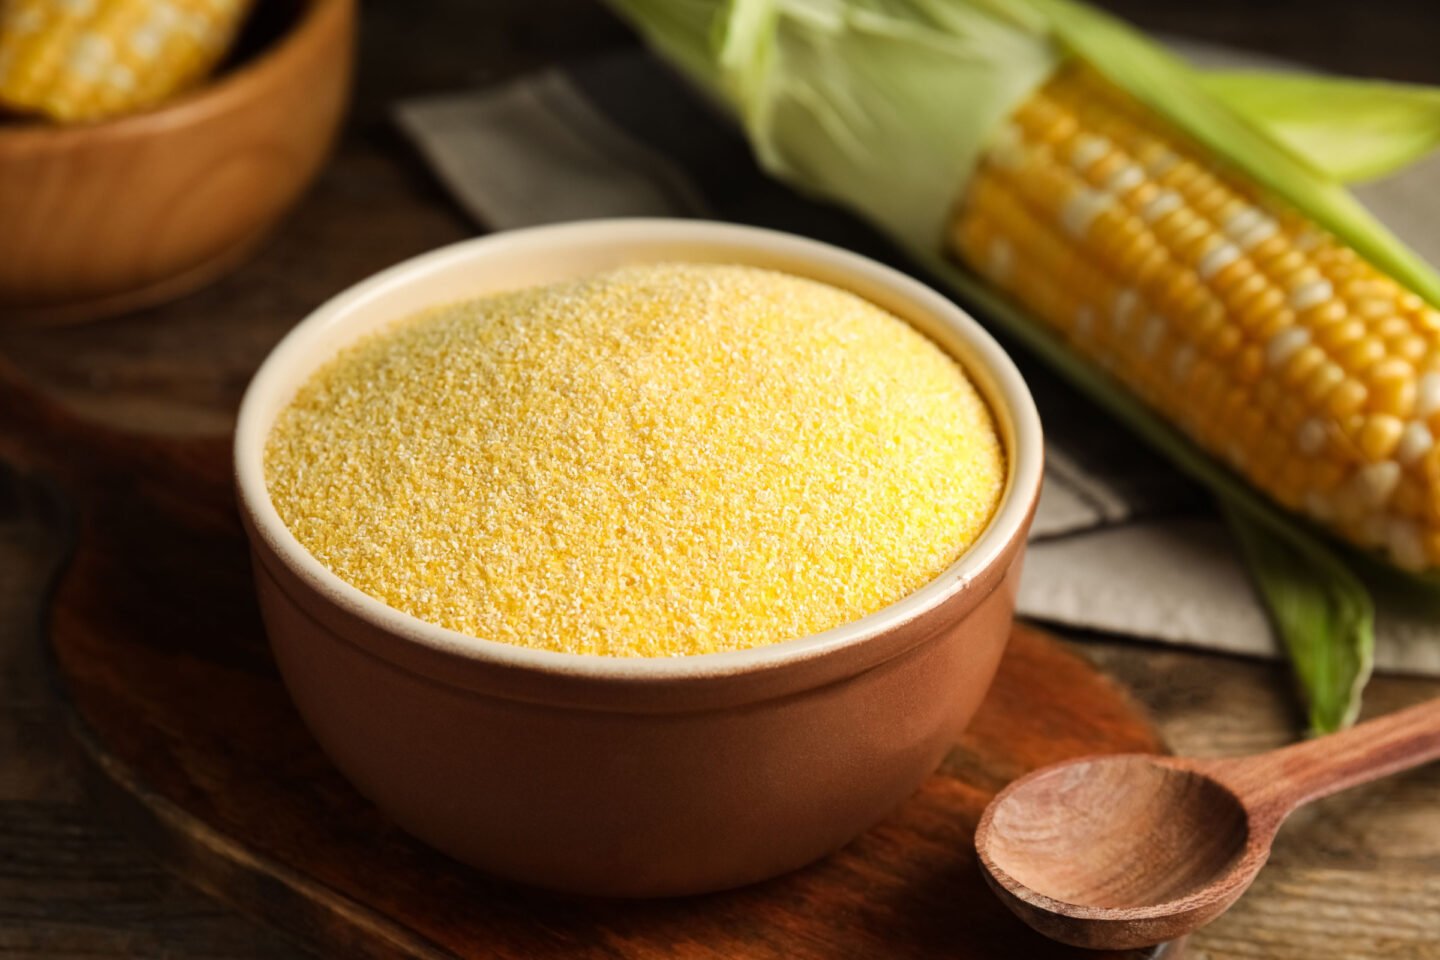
1129	851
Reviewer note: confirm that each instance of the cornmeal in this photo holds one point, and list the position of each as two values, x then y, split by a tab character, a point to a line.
658	461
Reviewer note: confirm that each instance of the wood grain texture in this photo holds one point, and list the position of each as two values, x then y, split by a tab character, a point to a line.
1354	877
159	649
71	884
1273	785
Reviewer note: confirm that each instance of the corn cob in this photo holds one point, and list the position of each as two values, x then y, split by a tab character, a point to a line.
78	60
1272	345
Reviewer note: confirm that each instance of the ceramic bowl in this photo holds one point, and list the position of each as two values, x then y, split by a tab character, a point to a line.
109	217
635	777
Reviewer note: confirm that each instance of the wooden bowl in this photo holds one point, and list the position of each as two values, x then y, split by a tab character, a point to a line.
103	218
635	777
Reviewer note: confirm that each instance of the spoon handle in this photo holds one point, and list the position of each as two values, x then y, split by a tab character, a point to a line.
1281	780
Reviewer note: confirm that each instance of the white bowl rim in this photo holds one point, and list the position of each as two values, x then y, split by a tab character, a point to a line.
1024	453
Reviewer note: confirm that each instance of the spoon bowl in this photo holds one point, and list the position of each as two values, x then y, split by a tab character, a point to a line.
1128	844
1121	852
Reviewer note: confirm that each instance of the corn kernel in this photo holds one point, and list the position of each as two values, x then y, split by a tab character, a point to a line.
1387	327
1379	436
1392	387
1250	364
1360	355
1302	365
1347	398
1326	377
1327	313
1259	309
1409	347
1241	294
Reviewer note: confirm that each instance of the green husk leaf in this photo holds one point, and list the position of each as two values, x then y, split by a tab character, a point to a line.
856	100
1351	130
847	98
1322	613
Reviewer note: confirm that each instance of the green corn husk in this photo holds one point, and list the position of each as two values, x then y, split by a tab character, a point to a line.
886	107
1352	130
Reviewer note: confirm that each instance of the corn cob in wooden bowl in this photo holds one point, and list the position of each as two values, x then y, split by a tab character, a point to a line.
1178	246
85	60
129	175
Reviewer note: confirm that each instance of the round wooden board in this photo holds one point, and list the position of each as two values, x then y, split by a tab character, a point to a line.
159	653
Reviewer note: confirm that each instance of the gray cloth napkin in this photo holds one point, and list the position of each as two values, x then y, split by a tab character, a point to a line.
1122	543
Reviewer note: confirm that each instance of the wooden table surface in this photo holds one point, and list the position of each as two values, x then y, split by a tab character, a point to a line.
1357	876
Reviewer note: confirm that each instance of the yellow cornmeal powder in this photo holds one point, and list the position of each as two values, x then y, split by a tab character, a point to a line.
658	461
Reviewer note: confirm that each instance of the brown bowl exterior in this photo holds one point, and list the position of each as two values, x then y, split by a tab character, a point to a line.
110	217
689	785
635	777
